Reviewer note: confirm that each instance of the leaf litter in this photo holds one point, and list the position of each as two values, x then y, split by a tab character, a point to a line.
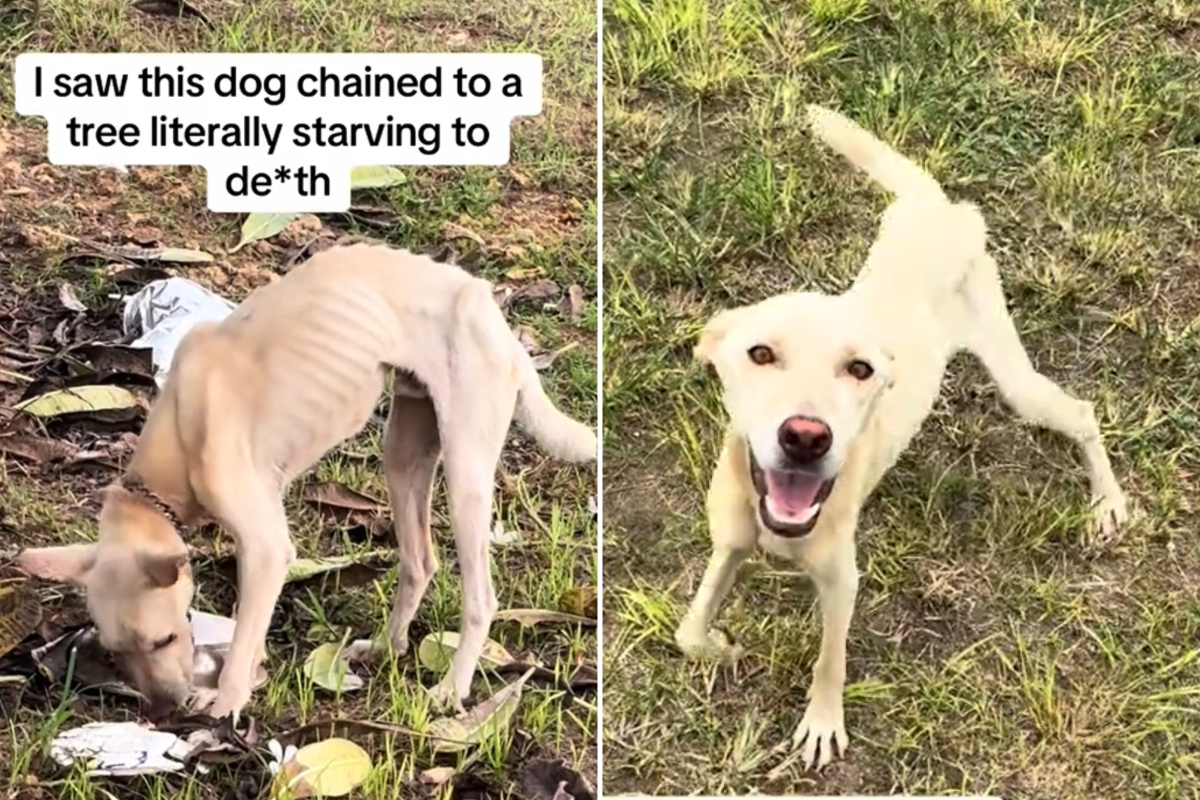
75	655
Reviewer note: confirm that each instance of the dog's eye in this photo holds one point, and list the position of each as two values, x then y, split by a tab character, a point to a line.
164	642
859	369
761	354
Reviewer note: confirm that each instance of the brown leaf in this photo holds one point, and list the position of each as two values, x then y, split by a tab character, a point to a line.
543	361
111	359
580	601
526	337
38	449
543	779
436	776
572	305
542	289
383	218
69	299
135	276
502	294
20	613
334	495
171	8
452	230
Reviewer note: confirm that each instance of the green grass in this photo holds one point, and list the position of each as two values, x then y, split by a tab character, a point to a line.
993	650
534	217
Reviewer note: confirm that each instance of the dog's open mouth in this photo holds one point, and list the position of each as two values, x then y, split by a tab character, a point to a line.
789	501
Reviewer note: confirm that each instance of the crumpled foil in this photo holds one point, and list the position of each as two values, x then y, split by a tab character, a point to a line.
162	312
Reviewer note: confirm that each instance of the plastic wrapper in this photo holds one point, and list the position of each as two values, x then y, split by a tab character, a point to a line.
162	312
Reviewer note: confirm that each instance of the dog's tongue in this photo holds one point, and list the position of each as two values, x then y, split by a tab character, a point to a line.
791	494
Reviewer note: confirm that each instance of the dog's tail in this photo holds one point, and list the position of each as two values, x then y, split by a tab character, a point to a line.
899	175
561	436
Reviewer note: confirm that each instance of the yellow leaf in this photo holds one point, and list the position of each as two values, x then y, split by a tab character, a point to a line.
452	734
79	398
375	177
330	768
20	613
437	649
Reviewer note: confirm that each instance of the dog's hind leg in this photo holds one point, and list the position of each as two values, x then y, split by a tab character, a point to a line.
473	423
411	449
994	339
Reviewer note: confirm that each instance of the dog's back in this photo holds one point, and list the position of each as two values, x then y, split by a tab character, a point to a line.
306	356
926	243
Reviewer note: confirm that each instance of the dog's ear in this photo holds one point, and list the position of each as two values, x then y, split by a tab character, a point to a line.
68	563
714	332
162	569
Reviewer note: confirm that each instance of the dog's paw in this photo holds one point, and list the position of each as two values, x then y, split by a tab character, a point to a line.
202	700
821	735
364	651
371	651
1110	514
228	700
707	645
446	697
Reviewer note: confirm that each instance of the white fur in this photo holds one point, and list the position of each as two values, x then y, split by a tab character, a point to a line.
929	289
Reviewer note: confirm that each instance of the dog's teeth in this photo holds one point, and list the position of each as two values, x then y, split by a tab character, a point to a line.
810	513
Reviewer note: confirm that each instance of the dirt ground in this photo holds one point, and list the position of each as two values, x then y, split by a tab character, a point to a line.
74	240
997	648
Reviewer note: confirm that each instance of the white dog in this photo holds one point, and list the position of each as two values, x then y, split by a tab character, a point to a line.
257	399
825	392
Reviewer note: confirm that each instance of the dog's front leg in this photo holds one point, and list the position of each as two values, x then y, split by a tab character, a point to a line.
732	527
695	636
264	551
823	726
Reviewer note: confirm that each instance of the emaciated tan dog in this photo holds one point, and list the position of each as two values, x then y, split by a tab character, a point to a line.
255	400
825	392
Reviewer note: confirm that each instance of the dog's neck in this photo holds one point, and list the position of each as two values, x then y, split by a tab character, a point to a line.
134	485
157	472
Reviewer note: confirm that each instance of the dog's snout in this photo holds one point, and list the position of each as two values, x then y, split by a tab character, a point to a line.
804	439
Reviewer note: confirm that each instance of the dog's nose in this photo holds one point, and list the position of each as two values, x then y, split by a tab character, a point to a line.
804	439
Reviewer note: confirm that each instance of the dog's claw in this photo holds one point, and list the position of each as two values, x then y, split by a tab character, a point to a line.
821	730
1110	514
712	644
445	696
371	651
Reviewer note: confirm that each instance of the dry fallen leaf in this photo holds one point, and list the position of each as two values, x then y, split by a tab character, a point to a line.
528	617
436	776
454	734
38	449
537	290
171	8
572	305
69	299
336	495
20	613
78	399
580	601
